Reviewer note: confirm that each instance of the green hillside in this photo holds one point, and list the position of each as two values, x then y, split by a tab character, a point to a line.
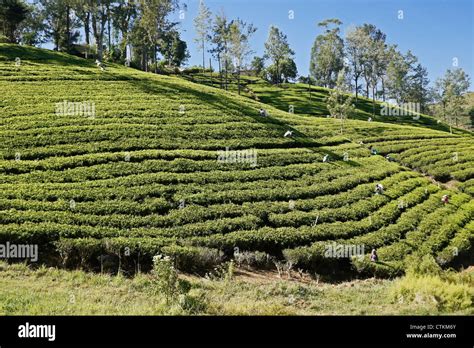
311	100
141	175
443	156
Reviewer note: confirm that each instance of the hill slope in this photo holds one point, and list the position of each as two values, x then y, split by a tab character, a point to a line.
142	175
445	156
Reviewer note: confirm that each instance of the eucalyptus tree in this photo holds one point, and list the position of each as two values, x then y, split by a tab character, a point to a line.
277	49
202	24
355	45
449	93
327	53
219	36
339	101
240	33
124	14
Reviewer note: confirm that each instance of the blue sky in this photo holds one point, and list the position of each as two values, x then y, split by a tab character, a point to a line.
436	31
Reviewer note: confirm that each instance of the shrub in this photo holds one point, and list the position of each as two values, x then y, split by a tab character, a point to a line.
193	259
253	259
367	268
223	271
425	265
446	296
165	277
194	302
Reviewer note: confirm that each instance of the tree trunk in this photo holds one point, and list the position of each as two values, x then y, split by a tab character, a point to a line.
99	49
309	87
68	30
154	59
366	86
226	73
109	27
357	86
98	30
210	71
373	101
238	79
220	70
145	59
87	30
203	58
383	89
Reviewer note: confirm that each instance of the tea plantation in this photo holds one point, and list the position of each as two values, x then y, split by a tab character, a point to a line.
141	175
444	156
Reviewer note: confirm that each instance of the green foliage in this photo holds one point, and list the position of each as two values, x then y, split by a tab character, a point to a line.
166	279
12	14
339	103
253	259
257	65
426	265
193	259
277	50
202	24
142	177
285	72
444	293
327	54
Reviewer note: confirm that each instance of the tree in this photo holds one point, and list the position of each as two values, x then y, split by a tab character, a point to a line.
327	54
124	14
375	68
151	26
220	39
82	9
355	46
340	101
12	13
277	49
406	79
174	50
202	24
449	92
374	57
60	23
418	90
397	71
287	71
239	35
32	29
98	9
257	65
455	104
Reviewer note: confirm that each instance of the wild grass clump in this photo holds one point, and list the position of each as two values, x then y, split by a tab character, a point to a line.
177	292
426	283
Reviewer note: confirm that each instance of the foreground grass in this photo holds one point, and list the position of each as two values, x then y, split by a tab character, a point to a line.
48	291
